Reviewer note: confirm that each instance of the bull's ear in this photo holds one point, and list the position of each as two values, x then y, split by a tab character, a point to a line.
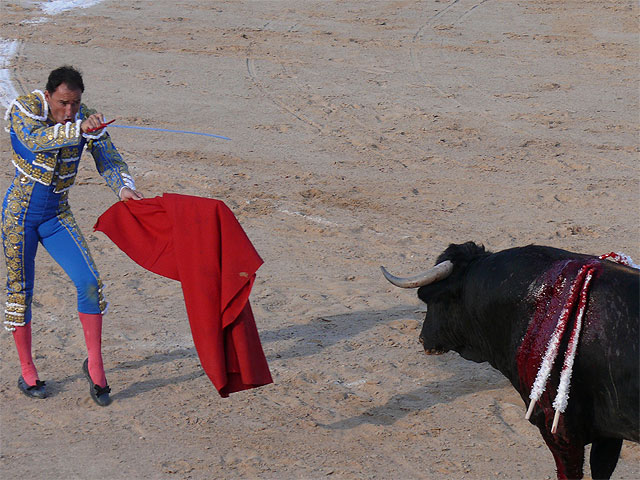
439	290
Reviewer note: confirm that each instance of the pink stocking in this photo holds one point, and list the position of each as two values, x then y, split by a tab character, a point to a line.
22	337
92	326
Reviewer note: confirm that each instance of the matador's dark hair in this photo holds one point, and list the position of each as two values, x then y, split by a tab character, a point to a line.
65	74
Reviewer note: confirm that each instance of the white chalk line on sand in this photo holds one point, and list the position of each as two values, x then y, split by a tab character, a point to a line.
34	21
8	50
311	218
59	6
328	223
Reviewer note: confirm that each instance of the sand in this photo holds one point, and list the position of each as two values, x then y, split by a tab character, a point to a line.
362	134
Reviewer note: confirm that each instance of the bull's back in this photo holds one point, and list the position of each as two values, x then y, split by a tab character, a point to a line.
605	390
606	373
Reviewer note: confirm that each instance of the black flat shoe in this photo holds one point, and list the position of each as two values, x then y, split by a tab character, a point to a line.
99	394
34	391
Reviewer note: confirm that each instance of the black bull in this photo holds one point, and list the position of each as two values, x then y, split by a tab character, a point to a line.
481	306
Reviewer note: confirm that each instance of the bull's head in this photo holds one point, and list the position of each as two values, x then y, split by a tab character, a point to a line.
440	288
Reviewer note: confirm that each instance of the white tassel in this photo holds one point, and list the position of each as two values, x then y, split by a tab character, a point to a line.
26	174
6	114
128	181
95	137
625	260
16	103
562	395
44	104
10	326
550	355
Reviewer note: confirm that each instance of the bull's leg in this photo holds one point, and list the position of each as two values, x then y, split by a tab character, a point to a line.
604	457
569	455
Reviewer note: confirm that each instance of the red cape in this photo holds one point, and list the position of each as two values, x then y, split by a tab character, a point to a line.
199	242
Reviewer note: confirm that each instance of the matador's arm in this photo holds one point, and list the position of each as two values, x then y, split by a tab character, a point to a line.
108	160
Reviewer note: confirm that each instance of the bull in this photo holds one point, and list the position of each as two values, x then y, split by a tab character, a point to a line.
482	305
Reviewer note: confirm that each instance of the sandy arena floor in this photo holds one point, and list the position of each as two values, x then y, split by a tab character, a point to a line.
363	134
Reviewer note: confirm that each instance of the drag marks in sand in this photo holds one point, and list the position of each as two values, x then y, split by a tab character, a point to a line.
292	85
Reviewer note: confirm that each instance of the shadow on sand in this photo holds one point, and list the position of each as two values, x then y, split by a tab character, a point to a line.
467	378
330	329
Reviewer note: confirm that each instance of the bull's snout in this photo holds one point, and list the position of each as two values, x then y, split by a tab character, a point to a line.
430	351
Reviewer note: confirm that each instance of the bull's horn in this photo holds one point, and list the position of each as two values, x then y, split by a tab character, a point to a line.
435	274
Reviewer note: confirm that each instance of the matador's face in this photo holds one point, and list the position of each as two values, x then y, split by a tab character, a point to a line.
64	103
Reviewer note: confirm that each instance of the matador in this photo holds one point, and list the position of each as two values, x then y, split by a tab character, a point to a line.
49	130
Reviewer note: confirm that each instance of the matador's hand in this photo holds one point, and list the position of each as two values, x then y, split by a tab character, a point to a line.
129	194
92	122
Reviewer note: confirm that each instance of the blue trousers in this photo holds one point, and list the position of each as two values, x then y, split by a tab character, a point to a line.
33	213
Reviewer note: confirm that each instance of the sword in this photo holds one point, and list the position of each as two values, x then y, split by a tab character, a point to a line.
102	125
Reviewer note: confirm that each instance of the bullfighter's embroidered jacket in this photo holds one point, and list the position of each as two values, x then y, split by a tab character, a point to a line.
50	153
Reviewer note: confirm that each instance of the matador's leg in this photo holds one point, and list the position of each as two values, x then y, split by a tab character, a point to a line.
20	243
66	244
